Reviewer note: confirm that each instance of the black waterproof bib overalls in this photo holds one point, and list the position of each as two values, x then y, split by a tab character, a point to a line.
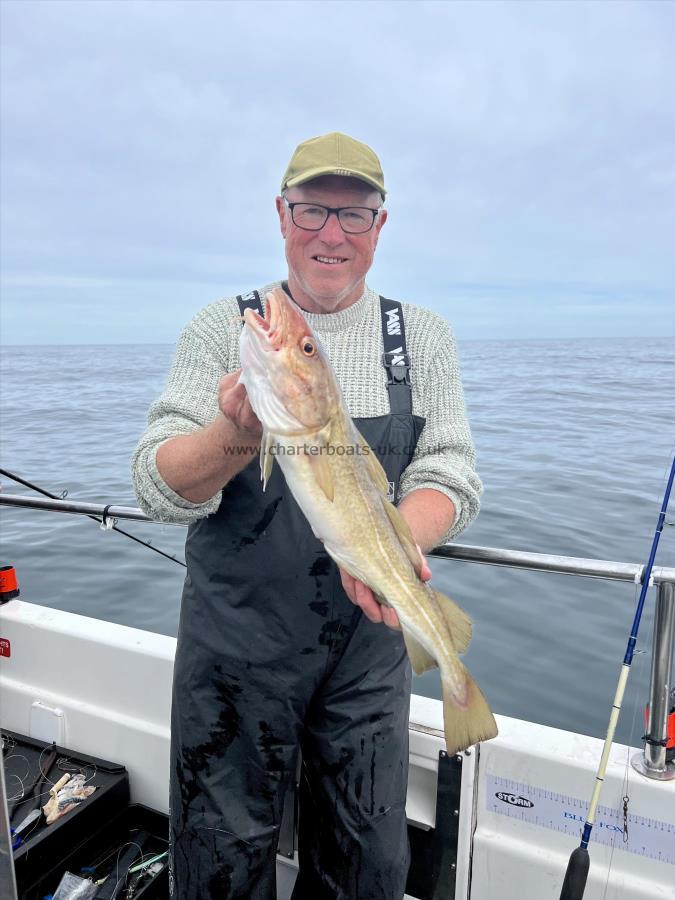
272	655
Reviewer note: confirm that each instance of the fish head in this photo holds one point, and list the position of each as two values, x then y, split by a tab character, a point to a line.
289	381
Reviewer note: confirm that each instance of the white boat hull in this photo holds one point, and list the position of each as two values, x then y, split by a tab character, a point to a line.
105	690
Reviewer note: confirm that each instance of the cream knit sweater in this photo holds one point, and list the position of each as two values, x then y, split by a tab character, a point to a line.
209	348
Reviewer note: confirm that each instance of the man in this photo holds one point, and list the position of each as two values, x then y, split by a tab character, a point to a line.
272	656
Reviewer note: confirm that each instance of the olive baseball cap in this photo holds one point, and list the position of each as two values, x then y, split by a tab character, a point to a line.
334	154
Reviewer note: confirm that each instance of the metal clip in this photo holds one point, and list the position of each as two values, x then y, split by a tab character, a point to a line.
397	366
107	522
639	575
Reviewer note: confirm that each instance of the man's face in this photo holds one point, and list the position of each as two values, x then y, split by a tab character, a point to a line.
327	268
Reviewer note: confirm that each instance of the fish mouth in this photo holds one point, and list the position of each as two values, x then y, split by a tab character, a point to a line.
266	329
260	338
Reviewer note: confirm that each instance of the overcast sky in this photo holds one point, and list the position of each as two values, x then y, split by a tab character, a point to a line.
528	149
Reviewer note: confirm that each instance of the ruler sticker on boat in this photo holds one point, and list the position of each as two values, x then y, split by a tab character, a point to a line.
559	812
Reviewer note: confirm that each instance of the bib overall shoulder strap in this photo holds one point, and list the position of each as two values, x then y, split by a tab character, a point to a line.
250	301
395	357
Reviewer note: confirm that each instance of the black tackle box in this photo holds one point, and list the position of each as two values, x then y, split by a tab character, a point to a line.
42	846
93	840
138	829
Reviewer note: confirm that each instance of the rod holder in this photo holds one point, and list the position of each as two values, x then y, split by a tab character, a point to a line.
652	762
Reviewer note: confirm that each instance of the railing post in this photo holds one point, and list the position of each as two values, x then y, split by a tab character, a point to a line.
653	762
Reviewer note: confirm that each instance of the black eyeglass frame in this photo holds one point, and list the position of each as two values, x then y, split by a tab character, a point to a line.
331	209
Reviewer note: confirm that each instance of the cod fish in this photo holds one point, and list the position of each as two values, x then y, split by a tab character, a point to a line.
341	488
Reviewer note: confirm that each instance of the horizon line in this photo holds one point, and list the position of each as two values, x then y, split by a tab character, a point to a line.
496	340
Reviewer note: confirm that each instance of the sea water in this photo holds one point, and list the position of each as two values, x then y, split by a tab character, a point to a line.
573	440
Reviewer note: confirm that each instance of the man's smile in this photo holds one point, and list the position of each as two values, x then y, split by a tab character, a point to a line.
330	260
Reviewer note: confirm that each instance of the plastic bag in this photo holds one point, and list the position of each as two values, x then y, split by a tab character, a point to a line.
72	887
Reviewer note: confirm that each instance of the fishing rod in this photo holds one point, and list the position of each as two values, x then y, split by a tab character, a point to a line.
101	521
574	884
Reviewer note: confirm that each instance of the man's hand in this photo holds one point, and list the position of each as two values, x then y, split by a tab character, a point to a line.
235	406
361	595
199	464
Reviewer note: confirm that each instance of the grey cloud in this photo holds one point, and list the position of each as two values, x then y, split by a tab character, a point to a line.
142	145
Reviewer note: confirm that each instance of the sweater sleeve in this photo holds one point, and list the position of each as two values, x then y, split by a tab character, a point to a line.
444	458
188	403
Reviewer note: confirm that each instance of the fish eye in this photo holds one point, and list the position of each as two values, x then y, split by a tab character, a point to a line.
308	347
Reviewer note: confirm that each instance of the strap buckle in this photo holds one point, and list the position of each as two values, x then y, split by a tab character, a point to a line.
397	365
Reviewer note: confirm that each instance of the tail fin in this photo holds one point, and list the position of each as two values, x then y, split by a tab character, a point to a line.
457	621
466	725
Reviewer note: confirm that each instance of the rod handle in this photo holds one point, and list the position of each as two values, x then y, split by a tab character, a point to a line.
574	884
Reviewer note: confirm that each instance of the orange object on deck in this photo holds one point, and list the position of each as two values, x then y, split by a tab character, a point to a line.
9	586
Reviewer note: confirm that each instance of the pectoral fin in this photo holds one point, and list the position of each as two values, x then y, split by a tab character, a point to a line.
266	458
373	464
420	659
321	469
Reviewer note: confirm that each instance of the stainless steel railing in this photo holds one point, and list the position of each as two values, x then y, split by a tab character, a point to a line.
653	761
76	507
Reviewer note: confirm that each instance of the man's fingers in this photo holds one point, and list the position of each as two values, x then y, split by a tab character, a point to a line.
390	617
362	596
235	405
229	380
348	585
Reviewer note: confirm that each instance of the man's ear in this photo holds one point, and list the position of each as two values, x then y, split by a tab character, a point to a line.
381	219
282	209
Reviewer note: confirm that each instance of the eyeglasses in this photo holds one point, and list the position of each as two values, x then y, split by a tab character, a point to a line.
313	216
